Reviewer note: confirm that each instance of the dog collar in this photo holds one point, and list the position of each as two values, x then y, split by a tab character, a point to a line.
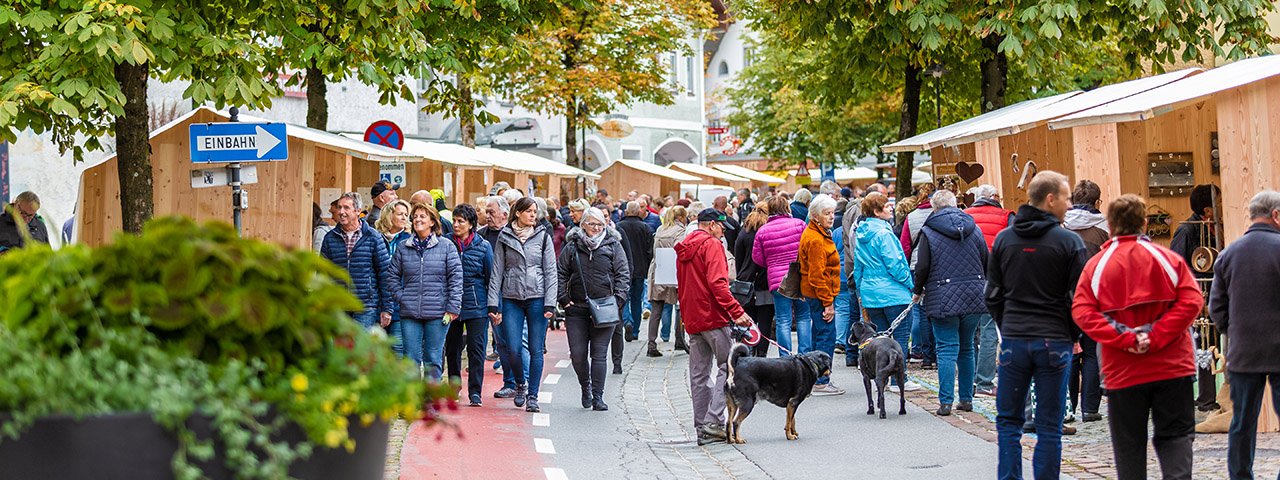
864	344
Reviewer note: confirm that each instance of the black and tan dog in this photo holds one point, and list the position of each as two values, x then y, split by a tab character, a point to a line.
881	358
784	382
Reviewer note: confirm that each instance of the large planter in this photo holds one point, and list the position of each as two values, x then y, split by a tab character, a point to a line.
134	447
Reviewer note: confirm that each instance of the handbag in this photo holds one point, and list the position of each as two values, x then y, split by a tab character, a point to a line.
742	291
790	286
604	311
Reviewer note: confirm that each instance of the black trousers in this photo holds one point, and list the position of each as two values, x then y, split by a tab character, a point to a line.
1171	407
475	337
588	342
762	315
1246	399
1085	378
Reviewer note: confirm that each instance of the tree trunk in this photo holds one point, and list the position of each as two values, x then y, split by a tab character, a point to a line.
466	112
317	103
995	72
907	127
571	136
133	148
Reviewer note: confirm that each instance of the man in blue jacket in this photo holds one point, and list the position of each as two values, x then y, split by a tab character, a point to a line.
358	248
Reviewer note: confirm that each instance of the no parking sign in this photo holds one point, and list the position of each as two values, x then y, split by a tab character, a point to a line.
385	133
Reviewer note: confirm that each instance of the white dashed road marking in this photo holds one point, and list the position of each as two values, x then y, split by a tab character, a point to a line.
552	379
562	364
555	473
542	420
545	397
543	445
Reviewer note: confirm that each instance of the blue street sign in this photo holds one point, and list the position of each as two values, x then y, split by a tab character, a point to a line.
828	171
238	142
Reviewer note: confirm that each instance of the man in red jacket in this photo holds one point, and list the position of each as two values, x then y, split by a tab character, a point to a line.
1138	299
707	306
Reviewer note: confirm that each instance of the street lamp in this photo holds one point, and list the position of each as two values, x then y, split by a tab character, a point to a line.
582	137
937	71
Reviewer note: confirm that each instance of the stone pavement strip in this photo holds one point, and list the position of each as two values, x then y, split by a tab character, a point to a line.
1088	454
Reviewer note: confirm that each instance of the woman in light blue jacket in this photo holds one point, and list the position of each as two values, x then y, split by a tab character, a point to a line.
428	289
880	269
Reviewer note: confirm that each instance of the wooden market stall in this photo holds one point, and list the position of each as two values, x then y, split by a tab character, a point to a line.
715	177
1161	142
279	204
625	175
451	167
530	173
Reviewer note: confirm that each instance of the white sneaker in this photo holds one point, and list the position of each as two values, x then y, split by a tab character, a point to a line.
826	390
911	386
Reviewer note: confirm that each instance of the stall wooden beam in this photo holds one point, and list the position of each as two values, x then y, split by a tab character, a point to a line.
1097	157
1249	146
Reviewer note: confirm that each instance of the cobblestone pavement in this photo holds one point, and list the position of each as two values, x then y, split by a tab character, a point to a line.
1088	454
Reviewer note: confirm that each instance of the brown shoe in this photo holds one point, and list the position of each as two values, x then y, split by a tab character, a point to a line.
1068	430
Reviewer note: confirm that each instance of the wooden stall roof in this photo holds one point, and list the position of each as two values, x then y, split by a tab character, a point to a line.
939	136
1170	97
329	141
1027	119
528	163
450	154
650	168
749	174
707	172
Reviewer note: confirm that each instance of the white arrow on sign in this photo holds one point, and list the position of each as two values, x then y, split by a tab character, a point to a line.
261	140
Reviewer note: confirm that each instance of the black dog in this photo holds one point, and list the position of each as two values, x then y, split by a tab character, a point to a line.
881	358
784	382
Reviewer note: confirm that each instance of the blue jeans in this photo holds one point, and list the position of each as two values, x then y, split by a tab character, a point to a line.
397	335
520	317
500	341
636	304
1048	362
367	318
984	376
424	344
784	311
954	336
823	334
846	310
668	313
922	335
1246	398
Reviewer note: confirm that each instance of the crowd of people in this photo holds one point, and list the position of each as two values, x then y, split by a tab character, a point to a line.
1034	306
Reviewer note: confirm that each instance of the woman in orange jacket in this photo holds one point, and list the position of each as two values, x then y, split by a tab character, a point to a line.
820	281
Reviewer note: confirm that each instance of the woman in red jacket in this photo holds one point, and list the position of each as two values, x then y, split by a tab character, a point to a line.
1138	299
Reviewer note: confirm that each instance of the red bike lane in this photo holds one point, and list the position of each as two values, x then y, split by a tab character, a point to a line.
496	440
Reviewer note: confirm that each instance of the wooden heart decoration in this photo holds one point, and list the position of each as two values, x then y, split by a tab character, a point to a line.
969	171
968	199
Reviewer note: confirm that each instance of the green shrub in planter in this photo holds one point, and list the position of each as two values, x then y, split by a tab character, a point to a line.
186	320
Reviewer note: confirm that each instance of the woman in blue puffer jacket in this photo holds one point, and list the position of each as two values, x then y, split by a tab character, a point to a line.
880	271
428	288
477	263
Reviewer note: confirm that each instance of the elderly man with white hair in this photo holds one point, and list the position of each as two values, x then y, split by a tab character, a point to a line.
1243	304
951	274
800	204
820	281
991	217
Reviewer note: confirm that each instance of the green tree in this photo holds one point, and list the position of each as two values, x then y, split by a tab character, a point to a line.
590	56
377	41
79	71
472	39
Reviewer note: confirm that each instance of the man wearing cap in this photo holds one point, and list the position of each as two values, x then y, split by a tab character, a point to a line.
702	274
382	193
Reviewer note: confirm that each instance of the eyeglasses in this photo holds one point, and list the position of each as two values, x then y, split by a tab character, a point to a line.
593	225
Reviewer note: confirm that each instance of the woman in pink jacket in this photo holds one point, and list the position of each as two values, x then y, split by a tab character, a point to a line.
777	245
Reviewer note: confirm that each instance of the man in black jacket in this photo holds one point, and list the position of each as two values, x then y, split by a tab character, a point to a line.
1032	272
23	216
639	243
1244	305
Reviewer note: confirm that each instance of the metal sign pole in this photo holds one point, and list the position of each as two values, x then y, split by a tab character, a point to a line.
233	171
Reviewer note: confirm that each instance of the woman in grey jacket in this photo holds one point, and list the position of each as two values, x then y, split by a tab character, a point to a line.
522	294
592	265
428	289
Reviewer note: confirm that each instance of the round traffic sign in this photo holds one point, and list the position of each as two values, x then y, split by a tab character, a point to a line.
385	133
